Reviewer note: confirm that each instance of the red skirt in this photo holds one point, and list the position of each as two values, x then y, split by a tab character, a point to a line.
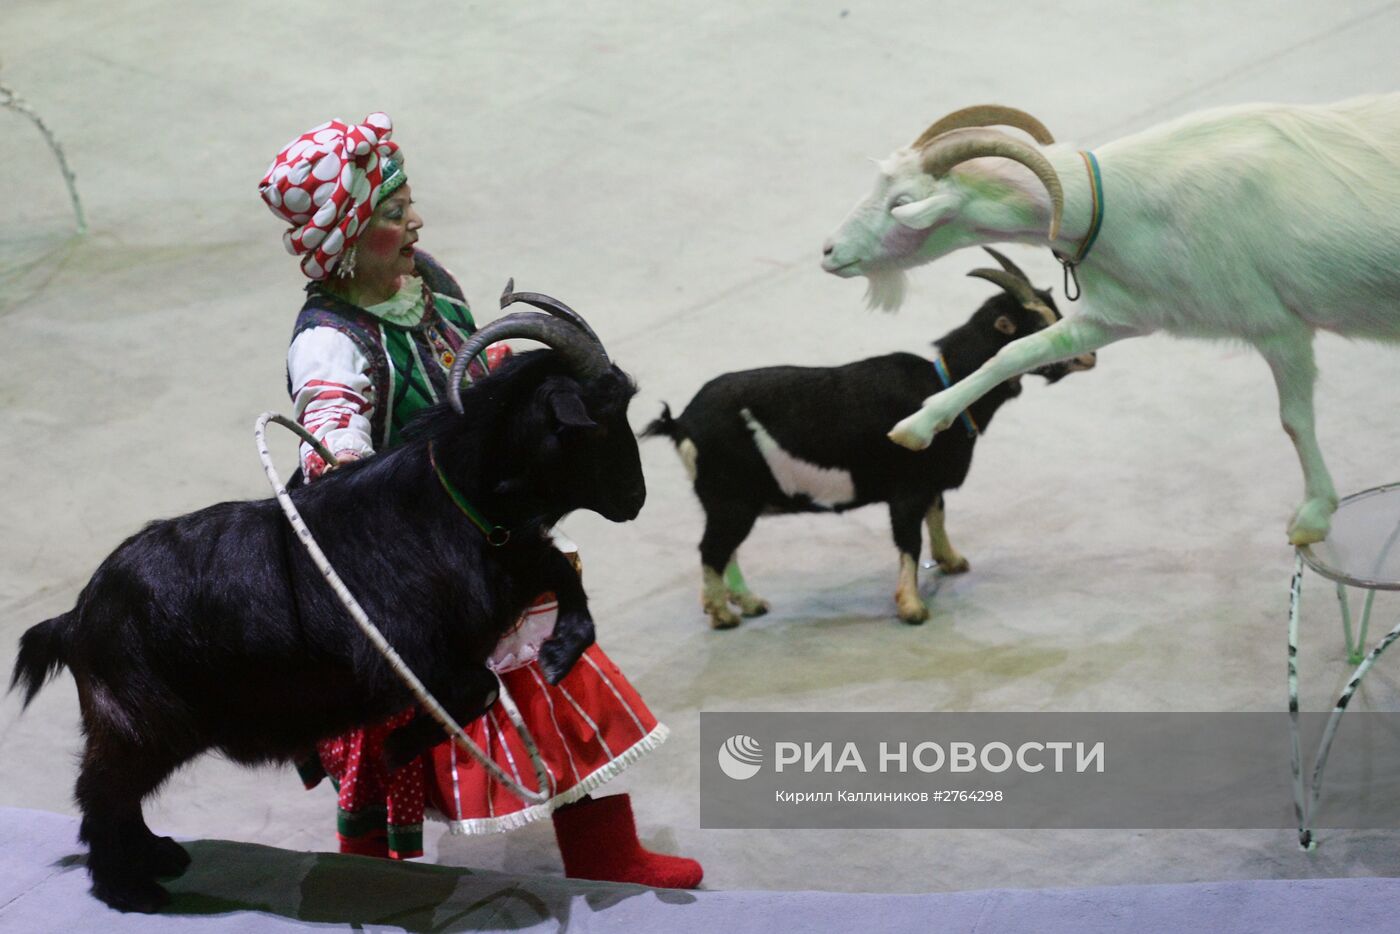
588	728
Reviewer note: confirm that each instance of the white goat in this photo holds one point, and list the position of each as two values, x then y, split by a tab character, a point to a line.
1260	223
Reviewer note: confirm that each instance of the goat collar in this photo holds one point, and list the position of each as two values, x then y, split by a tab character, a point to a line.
1091	164
965	417
496	536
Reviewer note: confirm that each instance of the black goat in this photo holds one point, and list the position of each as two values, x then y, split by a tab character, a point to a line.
812	439
214	630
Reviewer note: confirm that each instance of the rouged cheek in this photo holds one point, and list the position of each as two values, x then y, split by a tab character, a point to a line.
383	241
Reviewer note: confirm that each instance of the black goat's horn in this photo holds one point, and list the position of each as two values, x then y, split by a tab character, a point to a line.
552	305
1006	264
1018	289
585	358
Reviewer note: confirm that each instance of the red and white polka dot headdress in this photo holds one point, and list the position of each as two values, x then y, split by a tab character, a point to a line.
326	183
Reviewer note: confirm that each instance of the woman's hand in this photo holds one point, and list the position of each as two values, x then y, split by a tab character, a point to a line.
342	458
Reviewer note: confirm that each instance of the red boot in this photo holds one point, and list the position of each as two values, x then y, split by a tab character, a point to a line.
598	840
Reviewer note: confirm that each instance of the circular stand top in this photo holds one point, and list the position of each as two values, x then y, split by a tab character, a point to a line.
1363	548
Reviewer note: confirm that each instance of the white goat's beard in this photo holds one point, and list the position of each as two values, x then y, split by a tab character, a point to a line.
885	288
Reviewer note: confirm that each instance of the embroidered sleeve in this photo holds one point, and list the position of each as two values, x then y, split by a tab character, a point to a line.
331	395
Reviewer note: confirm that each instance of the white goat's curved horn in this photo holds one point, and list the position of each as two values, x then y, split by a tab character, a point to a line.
986	115
959	146
1006	264
1018	289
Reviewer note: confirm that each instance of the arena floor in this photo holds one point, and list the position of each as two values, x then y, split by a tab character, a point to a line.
671	170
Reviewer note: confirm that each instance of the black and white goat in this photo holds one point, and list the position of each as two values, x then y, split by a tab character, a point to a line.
214	630
812	439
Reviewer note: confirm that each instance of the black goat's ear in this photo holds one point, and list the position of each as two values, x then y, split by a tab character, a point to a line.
569	411
1004	324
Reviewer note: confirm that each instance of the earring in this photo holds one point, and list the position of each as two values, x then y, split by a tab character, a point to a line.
346	267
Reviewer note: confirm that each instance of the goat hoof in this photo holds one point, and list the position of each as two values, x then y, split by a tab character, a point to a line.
960	566
909	438
1311	522
1298	536
914	614
144	895
557	661
723	619
749	605
168	858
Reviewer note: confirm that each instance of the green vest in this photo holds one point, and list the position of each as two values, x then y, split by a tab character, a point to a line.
420	358
408	361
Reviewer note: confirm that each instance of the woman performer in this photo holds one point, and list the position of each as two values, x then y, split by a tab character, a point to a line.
372	347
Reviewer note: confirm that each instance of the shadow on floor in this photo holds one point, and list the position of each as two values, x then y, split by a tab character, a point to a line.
226	877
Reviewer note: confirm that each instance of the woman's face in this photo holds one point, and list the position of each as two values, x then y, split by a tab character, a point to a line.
384	253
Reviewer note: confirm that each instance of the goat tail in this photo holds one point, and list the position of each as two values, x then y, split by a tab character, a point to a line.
664	427
668	427
42	654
